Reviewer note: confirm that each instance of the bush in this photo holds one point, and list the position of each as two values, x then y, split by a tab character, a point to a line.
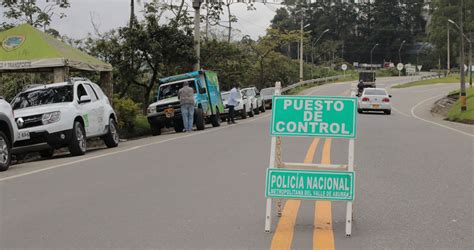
387	72
128	112
141	126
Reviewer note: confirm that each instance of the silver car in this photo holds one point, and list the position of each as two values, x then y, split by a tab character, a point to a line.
375	99
267	95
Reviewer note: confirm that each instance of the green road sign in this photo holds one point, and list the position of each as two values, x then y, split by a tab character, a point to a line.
324	116
309	184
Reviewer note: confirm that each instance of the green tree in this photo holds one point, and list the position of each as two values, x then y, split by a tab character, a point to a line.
437	30
30	12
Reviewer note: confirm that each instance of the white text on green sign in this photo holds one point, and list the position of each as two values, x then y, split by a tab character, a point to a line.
314	116
310	184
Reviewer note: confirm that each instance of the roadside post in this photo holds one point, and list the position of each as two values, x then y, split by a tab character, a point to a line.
400	68
344	68
419	67
311	116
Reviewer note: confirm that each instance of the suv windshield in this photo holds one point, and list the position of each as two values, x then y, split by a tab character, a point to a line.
249	92
375	92
269	91
43	96
171	90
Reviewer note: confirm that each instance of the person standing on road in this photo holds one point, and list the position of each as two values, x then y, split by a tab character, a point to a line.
186	99
360	87
232	103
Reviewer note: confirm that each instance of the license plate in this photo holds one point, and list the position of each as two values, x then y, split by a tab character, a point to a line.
23	135
169	112
376	106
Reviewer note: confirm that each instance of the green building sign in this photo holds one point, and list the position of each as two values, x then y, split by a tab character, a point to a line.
323	116
309	184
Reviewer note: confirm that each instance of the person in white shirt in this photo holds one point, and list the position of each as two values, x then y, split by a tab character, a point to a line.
232	103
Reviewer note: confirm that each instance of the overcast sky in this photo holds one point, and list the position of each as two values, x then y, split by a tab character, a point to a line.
109	14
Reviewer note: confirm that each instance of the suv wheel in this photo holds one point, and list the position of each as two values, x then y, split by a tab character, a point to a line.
47	153
243	113
257	109
251	114
199	119
155	129
262	108
216	119
178	125
78	144
5	152
112	138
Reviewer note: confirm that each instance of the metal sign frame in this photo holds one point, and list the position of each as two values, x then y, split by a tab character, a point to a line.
277	162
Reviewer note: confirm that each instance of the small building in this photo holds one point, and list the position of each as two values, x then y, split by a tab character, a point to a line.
27	49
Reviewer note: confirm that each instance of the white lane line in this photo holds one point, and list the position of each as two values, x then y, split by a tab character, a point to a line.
125	150
400	112
435	123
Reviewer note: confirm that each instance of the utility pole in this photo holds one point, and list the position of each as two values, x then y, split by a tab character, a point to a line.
371	52
197	32
461	65
448	63
470	60
301	48
400	51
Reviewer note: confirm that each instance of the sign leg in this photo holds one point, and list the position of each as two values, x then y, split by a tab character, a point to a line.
279	210
349	219
268	216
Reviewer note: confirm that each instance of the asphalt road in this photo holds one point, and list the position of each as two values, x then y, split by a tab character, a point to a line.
205	190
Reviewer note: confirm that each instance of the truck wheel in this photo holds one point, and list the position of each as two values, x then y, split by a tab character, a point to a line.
155	129
47	153
387	112
5	152
251	114
216	119
257	110
199	120
243	113
112	138
359	111
78	144
178	125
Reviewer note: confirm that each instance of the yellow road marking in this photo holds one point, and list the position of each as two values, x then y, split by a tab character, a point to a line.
323	236
283	236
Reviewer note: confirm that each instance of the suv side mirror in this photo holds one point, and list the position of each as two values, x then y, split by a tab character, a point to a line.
202	91
84	99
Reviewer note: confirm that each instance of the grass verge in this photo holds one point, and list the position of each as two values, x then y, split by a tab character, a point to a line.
455	113
450	79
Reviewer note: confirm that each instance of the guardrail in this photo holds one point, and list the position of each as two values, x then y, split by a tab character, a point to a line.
318	80
431	76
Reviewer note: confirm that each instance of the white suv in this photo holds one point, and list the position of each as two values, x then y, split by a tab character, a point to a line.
63	114
253	95
8	134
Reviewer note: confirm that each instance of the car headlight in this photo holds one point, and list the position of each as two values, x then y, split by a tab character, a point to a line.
151	110
52	117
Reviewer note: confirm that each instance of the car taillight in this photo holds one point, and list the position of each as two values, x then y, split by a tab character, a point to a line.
365	99
386	100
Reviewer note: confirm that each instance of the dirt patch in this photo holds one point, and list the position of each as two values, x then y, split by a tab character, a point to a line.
442	106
